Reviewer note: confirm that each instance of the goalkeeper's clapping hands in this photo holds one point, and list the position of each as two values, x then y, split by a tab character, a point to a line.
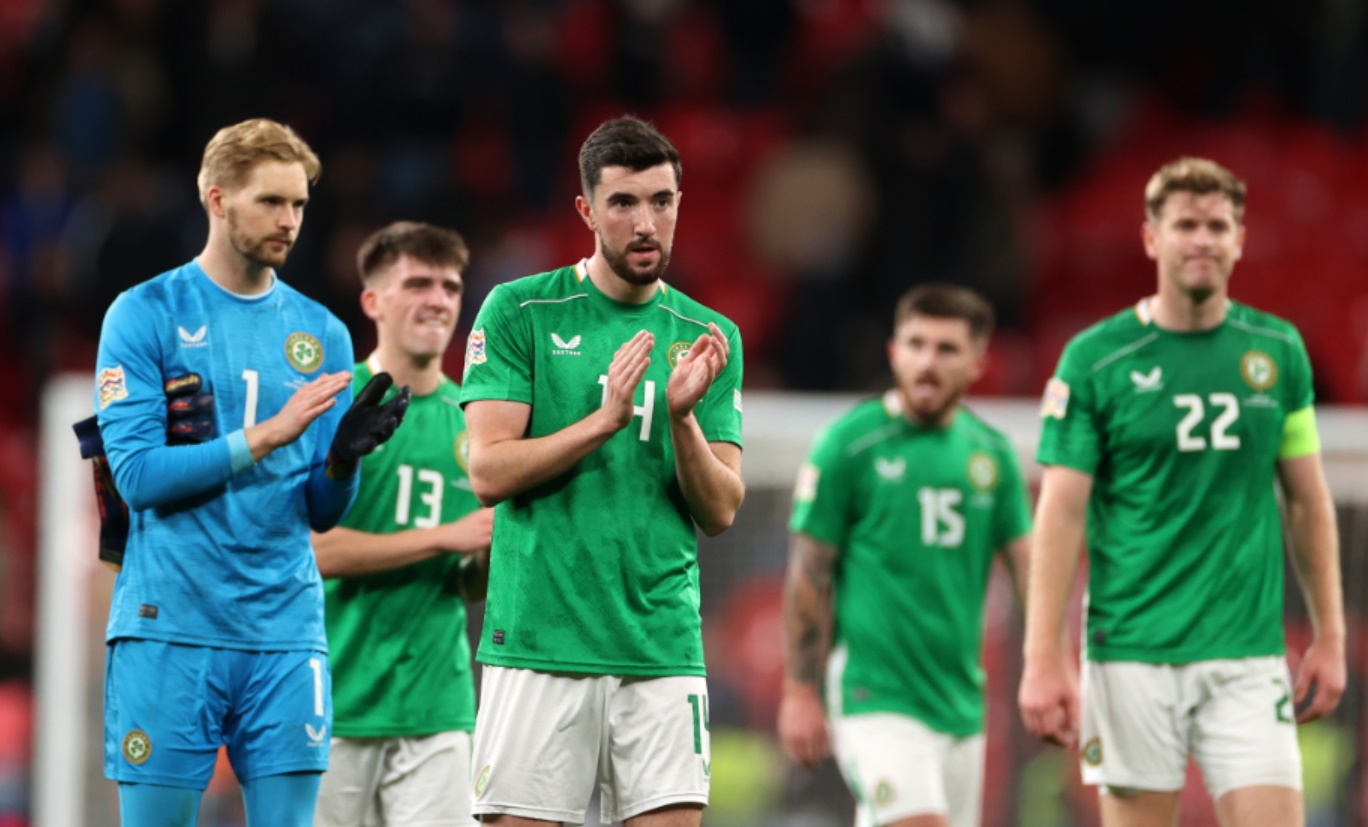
367	424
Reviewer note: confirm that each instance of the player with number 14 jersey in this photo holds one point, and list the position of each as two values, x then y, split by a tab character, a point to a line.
619	518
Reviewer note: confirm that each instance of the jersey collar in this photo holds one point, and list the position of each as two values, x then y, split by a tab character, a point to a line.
1144	309
582	275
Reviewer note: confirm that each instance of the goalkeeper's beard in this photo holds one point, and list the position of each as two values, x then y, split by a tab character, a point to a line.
620	263
255	249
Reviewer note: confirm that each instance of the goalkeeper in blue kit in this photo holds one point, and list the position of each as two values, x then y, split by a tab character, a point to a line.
224	406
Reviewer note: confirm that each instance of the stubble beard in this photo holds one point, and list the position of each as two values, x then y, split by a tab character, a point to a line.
254	250
930	416
621	265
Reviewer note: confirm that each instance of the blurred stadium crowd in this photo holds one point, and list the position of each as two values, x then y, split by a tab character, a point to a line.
835	153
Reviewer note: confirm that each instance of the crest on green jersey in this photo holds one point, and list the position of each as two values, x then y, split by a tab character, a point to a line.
1259	370
983	471
678	351
482	782
462	451
1092	752
137	747
883	793
304	352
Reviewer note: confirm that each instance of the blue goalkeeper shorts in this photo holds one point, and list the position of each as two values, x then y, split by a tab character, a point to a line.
169	707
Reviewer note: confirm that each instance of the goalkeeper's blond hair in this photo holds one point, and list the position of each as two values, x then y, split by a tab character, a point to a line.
1199	176
236	150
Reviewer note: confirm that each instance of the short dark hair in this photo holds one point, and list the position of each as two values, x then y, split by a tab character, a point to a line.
947	301
625	142
424	242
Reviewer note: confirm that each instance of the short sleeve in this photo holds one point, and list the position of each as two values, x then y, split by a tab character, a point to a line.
1069	433
822	497
719	416
498	363
1300	386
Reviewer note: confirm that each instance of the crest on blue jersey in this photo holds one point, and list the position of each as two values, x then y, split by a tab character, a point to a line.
304	352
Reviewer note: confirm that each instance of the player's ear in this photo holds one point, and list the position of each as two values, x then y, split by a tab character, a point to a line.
370	303
1147	237
213	201
981	358
586	211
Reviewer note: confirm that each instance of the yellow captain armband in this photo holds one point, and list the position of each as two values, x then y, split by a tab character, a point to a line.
1300	436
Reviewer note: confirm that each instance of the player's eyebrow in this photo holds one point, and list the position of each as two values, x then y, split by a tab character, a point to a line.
627	196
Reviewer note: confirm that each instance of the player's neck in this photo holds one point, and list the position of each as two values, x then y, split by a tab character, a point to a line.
1174	310
233	271
421	373
614	287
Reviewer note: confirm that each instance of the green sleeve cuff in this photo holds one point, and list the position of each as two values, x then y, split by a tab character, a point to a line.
238	452
1300	436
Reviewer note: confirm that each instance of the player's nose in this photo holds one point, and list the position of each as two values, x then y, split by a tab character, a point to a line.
643	224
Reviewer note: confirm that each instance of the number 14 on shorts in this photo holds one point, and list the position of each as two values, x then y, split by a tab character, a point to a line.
700	720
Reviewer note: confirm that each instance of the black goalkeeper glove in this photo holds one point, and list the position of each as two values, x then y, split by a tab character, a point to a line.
366	424
189	420
189	413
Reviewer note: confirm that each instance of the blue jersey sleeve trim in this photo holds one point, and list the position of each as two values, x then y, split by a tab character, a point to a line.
239	453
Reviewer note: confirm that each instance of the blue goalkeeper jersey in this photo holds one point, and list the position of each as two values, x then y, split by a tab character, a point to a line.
218	549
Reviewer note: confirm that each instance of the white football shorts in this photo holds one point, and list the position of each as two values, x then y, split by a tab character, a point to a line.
1235	717
897	767
416	782
543	740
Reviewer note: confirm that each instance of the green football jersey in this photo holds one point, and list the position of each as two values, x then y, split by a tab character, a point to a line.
397	639
916	515
595	571
1181	434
